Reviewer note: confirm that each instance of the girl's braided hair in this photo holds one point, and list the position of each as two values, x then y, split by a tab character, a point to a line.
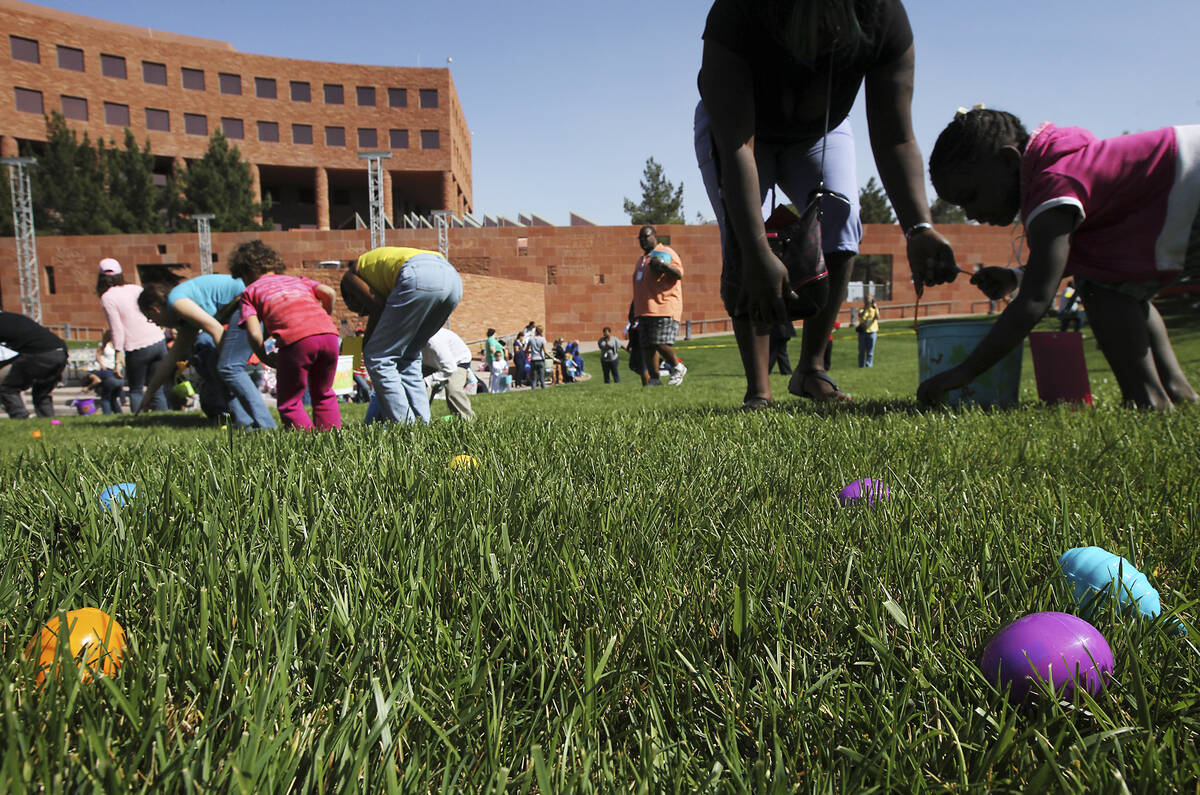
254	258
974	135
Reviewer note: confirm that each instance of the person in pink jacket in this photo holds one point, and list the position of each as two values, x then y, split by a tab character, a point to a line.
140	344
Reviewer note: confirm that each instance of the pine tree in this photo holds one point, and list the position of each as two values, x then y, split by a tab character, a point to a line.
68	184
136	200
943	212
874	207
219	183
662	202
6	219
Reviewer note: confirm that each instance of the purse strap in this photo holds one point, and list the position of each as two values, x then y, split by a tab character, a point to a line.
825	135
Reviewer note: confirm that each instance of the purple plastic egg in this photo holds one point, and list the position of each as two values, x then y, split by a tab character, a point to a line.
865	489
1058	648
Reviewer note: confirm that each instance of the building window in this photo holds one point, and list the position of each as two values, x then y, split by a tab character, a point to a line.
51	287
70	58
306	196
157	119
367	138
193	79
302	134
335	136
24	49
29	100
268	131
301	92
397	97
333	94
154	73
195	124
398	139
430	139
264	87
112	66
116	114
230	84
365	96
75	108
429	98
233	128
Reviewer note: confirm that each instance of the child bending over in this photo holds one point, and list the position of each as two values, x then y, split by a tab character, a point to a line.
296	311
1119	214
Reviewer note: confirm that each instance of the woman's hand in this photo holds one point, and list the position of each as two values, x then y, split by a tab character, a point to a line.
931	389
764	287
931	259
994	282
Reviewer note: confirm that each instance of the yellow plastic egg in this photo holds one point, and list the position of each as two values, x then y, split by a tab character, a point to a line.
97	643
464	461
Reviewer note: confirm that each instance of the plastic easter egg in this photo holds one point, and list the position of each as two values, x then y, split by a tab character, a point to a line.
464	461
97	643
661	259
36	434
864	490
56	422
1058	648
1097	575
120	494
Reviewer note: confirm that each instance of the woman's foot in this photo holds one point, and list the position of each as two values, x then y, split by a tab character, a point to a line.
756	403
816	385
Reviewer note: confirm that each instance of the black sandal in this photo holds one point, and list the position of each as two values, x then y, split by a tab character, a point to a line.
797	387
755	404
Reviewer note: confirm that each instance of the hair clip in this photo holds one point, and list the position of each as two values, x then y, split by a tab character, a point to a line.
958	114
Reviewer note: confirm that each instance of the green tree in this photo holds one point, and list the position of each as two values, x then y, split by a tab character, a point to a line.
136	201
6	219
874	207
219	183
662	202
943	212
68	184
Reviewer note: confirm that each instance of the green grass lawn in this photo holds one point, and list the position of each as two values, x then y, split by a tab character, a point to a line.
636	590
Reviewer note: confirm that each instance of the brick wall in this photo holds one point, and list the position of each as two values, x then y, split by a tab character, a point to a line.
572	280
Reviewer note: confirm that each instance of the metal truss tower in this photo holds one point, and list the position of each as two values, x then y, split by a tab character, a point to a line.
22	206
375	189
442	219
204	230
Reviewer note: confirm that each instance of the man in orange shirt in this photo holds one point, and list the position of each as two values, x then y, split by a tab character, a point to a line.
658	305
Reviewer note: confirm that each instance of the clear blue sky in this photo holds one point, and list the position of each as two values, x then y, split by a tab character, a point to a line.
566	100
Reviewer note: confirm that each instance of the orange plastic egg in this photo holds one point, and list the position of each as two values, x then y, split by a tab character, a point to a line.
97	643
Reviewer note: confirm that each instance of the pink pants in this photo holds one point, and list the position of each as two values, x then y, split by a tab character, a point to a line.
310	362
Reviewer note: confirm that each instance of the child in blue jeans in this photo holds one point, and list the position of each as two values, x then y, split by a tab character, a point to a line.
407	295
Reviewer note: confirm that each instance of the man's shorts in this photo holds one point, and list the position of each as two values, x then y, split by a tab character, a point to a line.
655	330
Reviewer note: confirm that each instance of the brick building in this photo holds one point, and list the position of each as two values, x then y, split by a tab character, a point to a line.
300	124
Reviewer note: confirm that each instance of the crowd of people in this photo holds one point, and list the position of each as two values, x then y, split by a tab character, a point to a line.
1121	216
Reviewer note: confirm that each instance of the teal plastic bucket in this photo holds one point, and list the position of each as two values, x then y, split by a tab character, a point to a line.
942	344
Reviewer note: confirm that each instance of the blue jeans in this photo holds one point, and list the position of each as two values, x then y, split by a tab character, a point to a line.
426	292
866	349
246	407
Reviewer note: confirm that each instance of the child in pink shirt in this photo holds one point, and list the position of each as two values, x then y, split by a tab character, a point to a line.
1121	215
296	311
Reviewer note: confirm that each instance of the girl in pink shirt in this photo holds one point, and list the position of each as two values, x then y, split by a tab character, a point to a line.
296	311
140	345
1121	215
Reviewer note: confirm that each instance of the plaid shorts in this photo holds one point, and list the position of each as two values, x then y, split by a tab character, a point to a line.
655	330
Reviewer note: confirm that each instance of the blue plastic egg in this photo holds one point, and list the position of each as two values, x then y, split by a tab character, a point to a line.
120	494
1098	575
